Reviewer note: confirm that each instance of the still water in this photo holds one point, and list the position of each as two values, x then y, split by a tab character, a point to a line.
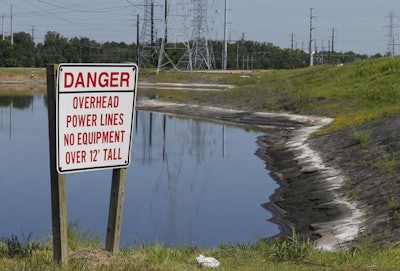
190	182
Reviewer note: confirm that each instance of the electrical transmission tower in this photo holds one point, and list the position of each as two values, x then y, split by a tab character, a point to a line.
197	52
148	46
180	32
201	50
163	58
391	36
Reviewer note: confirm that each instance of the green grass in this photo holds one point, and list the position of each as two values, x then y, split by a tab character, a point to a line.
388	163
291	253
352	94
25	74
362	137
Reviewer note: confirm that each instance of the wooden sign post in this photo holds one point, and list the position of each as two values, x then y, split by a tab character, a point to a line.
91	116
115	210
57	181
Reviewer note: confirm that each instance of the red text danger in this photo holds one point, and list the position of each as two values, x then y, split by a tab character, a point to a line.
96	79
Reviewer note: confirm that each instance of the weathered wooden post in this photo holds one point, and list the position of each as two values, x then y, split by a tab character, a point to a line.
57	181
116	209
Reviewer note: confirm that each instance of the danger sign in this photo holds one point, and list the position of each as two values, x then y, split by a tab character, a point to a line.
95	107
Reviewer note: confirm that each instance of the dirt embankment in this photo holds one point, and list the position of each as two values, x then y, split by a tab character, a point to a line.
334	187
309	198
356	191
19	80
369	157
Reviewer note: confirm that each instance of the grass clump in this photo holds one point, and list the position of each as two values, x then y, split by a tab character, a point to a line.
388	163
13	247
362	137
81	236
292	248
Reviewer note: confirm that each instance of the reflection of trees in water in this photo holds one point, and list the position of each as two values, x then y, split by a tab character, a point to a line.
18	101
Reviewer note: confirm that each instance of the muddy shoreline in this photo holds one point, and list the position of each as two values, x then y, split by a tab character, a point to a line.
309	198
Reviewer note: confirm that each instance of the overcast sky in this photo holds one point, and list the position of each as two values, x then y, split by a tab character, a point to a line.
361	26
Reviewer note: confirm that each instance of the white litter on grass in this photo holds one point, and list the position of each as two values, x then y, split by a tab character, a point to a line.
207	261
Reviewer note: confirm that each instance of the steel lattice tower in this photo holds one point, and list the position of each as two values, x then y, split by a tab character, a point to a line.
391	37
148	46
164	61
201	51
177	27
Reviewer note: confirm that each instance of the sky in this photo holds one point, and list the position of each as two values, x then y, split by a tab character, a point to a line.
361	26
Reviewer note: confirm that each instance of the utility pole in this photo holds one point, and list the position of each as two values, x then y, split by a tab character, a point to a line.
11	26
165	20
237	55
292	41
137	39
333	39
225	49
2	26
322	52
33	34
311	37
152	22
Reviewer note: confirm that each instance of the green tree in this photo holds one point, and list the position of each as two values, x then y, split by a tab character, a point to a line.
24	50
6	53
54	48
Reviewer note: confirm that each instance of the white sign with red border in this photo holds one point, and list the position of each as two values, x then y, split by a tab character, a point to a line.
95	107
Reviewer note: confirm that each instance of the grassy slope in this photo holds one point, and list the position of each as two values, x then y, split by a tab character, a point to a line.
353	94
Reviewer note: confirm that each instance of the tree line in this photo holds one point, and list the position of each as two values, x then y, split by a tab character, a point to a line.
243	54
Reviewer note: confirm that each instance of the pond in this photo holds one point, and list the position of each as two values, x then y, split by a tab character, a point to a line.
190	182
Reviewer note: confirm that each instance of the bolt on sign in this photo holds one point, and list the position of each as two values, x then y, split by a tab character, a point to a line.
95	107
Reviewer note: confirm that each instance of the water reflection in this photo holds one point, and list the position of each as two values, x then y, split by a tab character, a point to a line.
7	104
190	181
4	117
203	185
